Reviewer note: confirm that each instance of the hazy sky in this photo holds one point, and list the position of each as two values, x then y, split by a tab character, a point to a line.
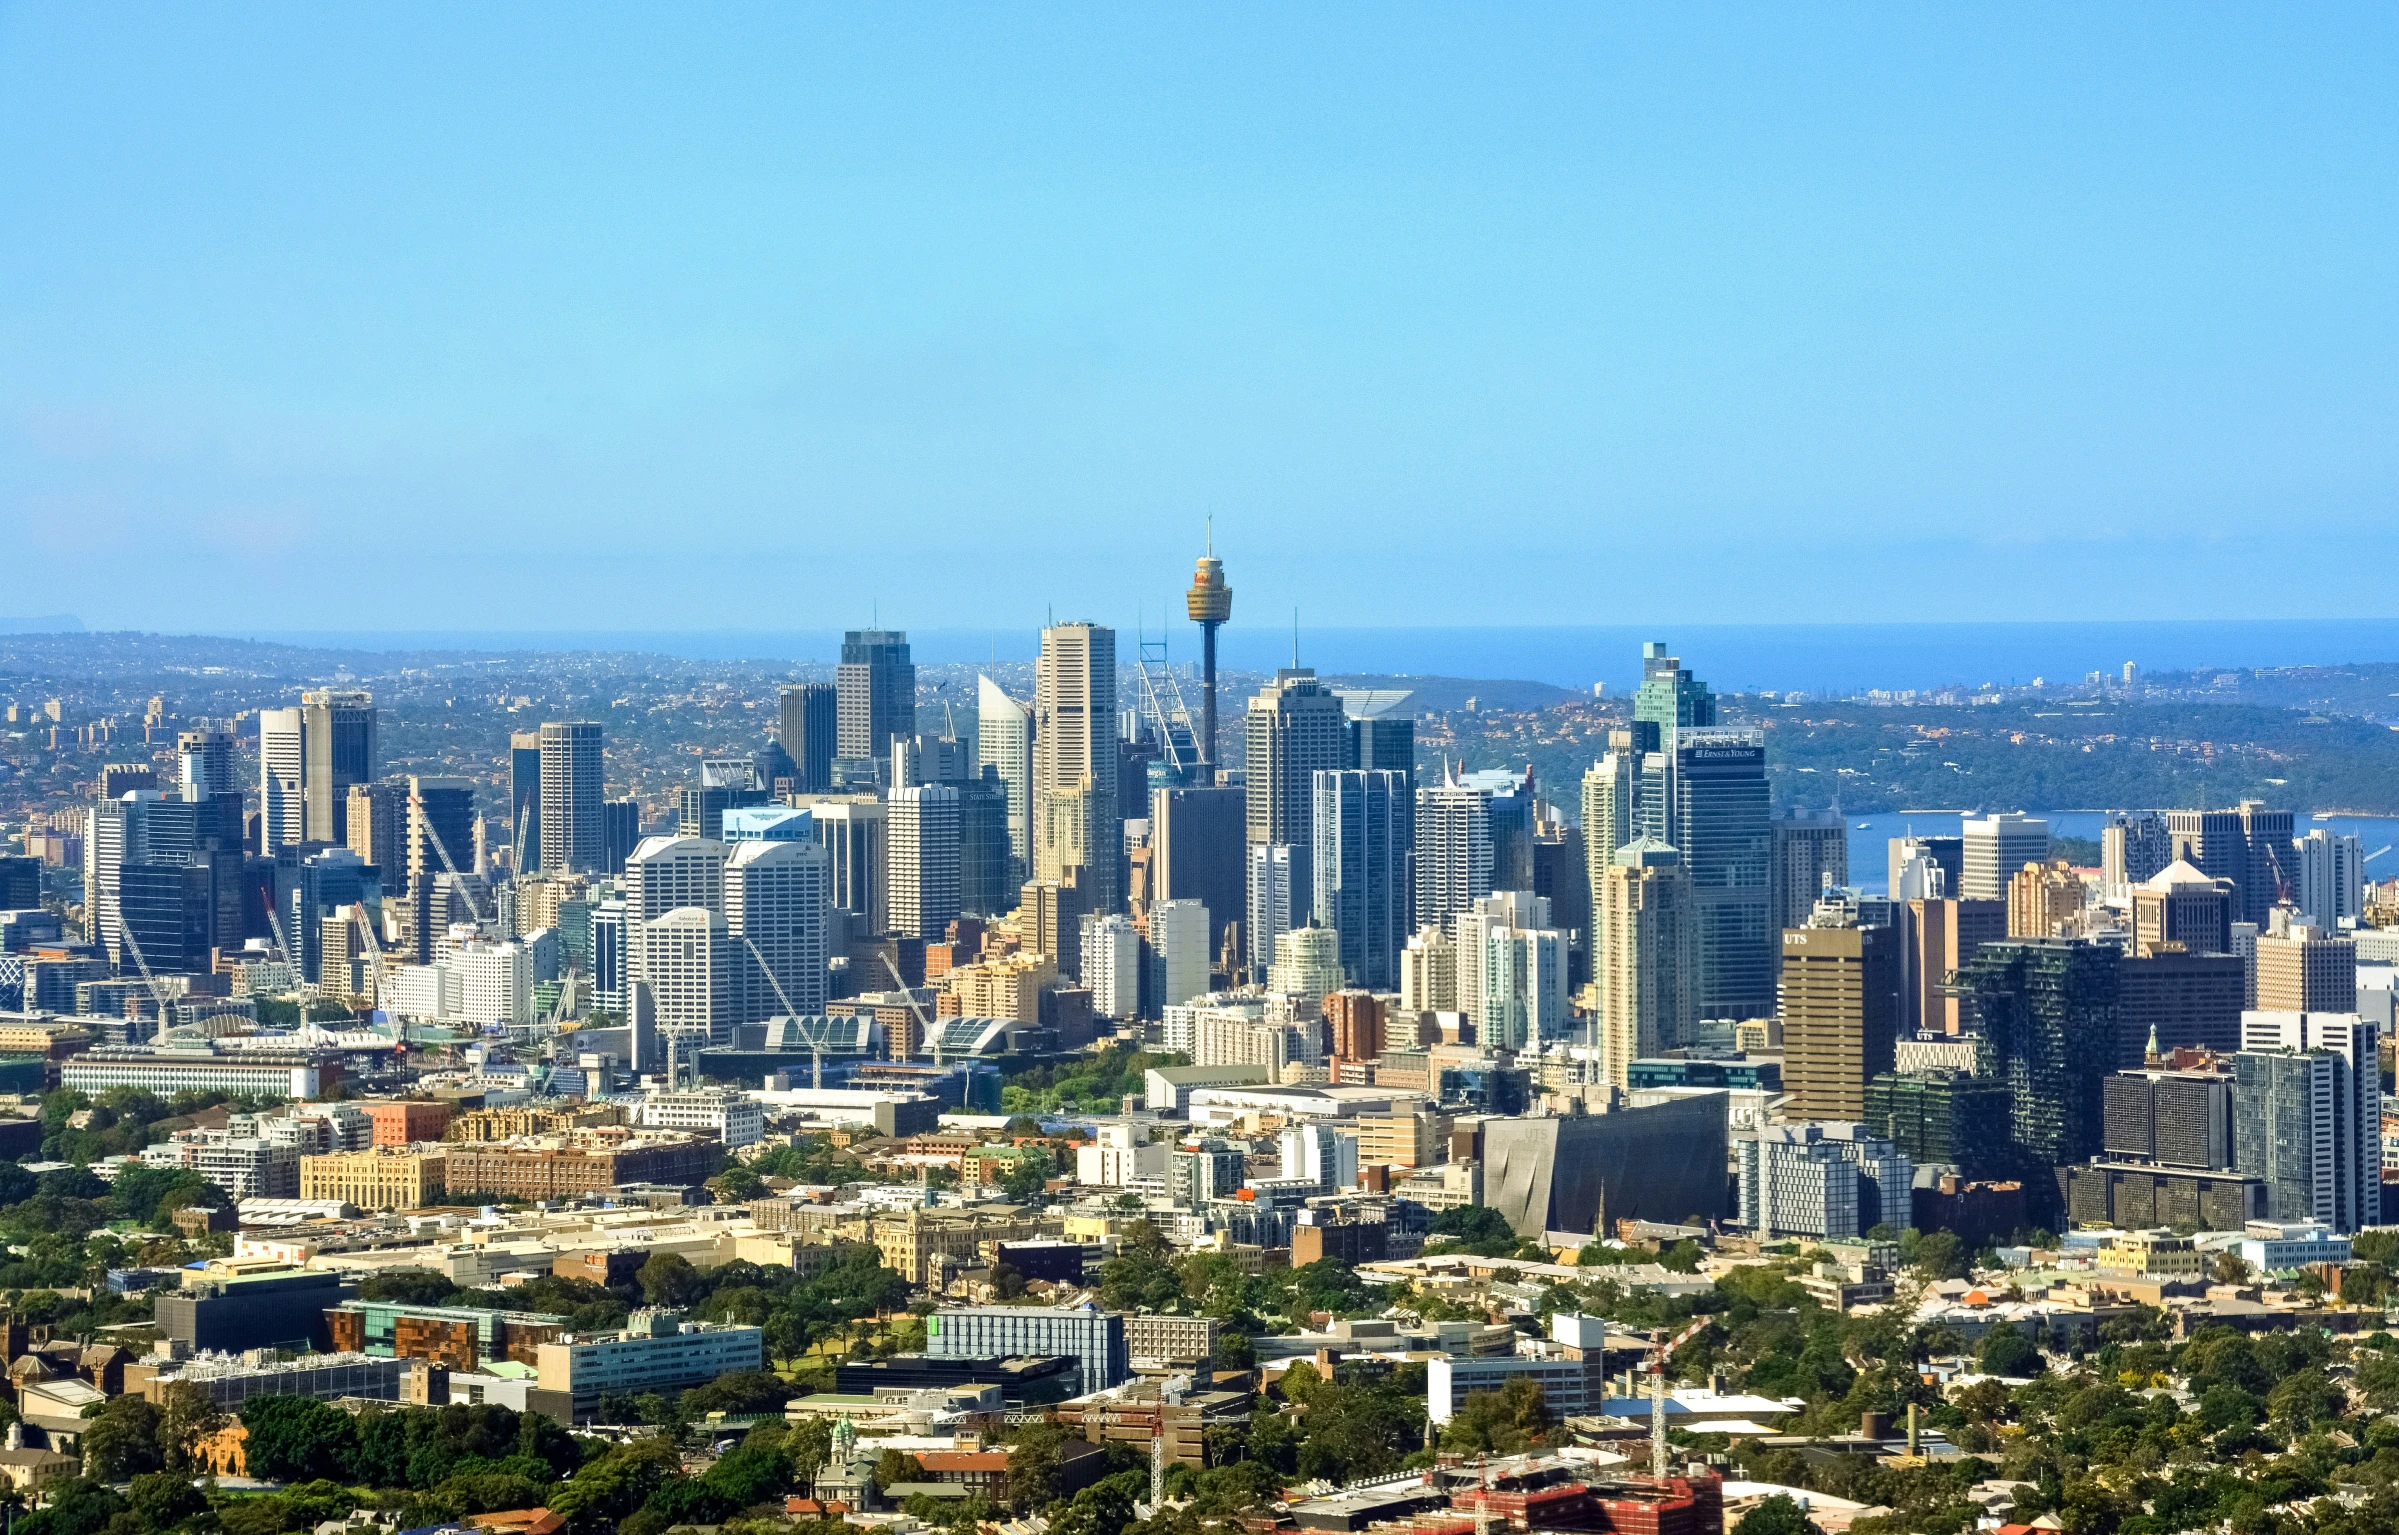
701	316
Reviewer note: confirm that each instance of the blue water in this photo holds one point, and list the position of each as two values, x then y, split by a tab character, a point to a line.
1870	838
1832	657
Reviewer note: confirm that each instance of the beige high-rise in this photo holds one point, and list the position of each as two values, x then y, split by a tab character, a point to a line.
1942	936
1078	819
1645	993
2305	970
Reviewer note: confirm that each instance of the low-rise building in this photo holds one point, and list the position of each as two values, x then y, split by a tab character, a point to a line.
1095	1339
245	1166
381	1178
2150	1254
201	1069
581	1162
465	1338
735	1119
657	1352
1566	1383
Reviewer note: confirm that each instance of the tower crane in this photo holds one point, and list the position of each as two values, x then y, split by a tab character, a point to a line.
158	992
932	1035
1655	1367
416	802
816	1037
358	916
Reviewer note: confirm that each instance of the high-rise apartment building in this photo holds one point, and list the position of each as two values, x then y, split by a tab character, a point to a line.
573	830
1996	846
2134	846
2307	1115
1296	729
1364	868
2047	1010
1307	969
1840	1015
1004	745
1611	818
1270	912
2306	970
2179	909
1720	825
1455	856
282	774
2042	899
2332	880
1512	972
1112	966
1356	1018
1941	937
809	726
338	734
1644	942
1078	824
1810	853
1428	973
1196	844
921	849
876	687
524	799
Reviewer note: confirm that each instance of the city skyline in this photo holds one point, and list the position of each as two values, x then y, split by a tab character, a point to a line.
1862	307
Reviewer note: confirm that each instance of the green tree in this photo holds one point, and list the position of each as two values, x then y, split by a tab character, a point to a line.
293	1439
1033	1467
1502	1422
668	1279
408	1286
1779	1514
893	1467
162	1500
123	1440
2230	1268
736	1185
2006	1351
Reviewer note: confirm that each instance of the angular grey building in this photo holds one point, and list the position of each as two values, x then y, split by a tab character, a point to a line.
1364	870
1666	1162
809	728
876	686
574	829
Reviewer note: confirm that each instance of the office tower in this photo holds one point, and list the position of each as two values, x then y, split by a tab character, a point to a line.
1296	729
1004	745
1840	1013
2180	1000
524	799
1668	701
2307	1115
2305	970
1381	739
20	884
1810	851
204	755
689	968
876	684
440	839
338	731
1913	860
1078	830
574	836
620	831
1112	966
114	835
921	859
923	759
1562	877
1996	847
1428	973
2179	909
2249	845
168	909
1050	917
1644	944
1179	950
1364	867
852	832
1209	604
2332	879
328	884
282	772
1270	907
723	783
1720	826
1454	854
774	909
1942	937
2042	899
378	826
2047	1008
1196	845
769	823
2134	846
2170	1118
985	885
810	730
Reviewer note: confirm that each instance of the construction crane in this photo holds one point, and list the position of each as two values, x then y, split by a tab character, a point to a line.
1162	696
158	991
358	916
932	1035
1656	1368
416	802
815	1036
275	920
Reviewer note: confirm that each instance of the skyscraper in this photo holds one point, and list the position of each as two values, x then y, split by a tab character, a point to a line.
2048	1013
1511	971
985	885
1004	745
921	856
1296	729
1363	863
440	837
2306	970
1112	966
205	756
774	910
339	737
1179	950
2133	846
809	727
1810	849
2249	845
2331	878
2307	1115
1270	910
1196	854
282	772
1916	862
1840	1014
1720	826
1454	853
378	817
1644	947
524	798
574	836
1940	937
1380	737
851	829
1996	847
1611	813
1078	830
876	682
620	827
2180	909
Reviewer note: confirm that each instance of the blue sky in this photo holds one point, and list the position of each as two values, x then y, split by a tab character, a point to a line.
710	316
